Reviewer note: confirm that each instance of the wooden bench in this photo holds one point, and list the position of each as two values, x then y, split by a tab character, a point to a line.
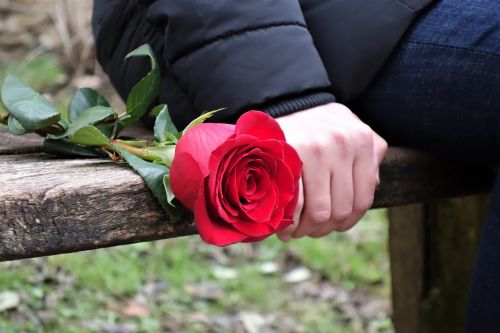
52	205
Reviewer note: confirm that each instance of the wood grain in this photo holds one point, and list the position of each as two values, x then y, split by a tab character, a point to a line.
50	205
407	256
10	144
409	176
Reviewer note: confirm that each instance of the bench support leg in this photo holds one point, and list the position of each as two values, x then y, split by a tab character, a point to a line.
432	248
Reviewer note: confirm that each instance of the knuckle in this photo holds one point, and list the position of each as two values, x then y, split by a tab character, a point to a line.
340	137
313	149
342	142
316	148
366	133
382	145
340	215
363	204
320	216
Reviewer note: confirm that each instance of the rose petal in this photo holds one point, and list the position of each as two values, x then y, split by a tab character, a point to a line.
290	208
294	163
283	224
250	228
213	230
248	186
185	178
201	140
264	210
256	239
285	183
224	195
272	147
260	125
221	160
292	159
261	189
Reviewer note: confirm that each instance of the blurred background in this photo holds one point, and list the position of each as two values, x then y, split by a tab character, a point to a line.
335	284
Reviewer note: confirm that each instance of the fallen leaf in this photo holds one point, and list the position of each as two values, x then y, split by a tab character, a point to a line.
135	308
252	322
269	268
9	300
299	274
224	273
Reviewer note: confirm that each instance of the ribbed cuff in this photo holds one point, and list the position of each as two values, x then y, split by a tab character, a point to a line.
291	105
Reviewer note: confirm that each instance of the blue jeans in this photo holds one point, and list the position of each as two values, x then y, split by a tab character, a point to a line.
440	91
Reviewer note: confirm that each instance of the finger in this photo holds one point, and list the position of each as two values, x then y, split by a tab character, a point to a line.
285	234
341	189
317	194
329	228
365	179
342	192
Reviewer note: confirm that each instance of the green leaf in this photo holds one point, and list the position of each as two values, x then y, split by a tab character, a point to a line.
66	148
200	120
171	138
168	190
83	100
32	110
153	175
156	111
15	126
89	117
106	129
161	154
145	91
63	124
163	124
89	136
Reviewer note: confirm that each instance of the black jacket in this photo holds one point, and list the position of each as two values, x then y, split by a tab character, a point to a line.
279	56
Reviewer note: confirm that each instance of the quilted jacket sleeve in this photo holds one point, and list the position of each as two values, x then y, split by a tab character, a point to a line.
228	54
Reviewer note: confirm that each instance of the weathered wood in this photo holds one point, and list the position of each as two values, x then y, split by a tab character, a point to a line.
432	248
452	232
50	205
410	176
407	255
10	144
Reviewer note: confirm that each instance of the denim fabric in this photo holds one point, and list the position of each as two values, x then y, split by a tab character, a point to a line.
441	89
440	92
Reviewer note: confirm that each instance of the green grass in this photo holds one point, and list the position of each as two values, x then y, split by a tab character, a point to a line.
94	287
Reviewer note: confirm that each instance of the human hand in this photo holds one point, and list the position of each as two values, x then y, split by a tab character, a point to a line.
341	157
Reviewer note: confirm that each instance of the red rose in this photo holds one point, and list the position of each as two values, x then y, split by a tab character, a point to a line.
241	181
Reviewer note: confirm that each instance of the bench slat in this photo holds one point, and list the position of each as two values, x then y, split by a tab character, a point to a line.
51	205
10	144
